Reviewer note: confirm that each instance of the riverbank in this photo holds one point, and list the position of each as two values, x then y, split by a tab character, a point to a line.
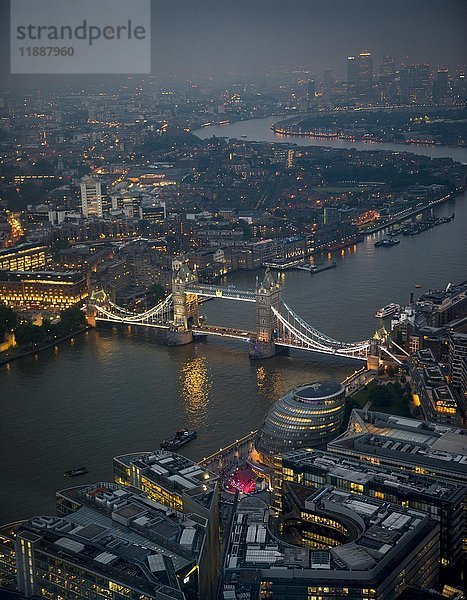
258	130
21	353
379	125
413	212
295	131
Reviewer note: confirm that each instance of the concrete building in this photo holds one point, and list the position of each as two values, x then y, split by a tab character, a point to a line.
24	257
328	544
404	444
457	353
42	290
94	199
443	501
107	542
438	400
184	487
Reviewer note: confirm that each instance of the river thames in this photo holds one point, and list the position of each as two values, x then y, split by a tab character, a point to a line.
116	391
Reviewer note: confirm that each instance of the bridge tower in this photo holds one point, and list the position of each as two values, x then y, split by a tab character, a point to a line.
186	309
268	295
373	359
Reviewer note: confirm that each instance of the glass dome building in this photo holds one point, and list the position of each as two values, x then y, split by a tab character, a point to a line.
307	417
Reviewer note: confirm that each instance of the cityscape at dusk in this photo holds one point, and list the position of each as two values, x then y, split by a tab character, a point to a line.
233	299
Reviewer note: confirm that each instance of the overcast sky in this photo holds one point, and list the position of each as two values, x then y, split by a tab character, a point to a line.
209	37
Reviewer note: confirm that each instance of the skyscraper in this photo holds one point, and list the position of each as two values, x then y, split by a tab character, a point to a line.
352	76
387	78
441	85
365	75
94	200
360	77
415	84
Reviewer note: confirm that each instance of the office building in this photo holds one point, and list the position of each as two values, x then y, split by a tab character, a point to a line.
457	353
328	544
441	86
308	416
94	199
128	204
439	401
387	79
42	290
404	444
360	77
415	84
443	501
107	542
24	257
183	486
352	76
365	75
155	212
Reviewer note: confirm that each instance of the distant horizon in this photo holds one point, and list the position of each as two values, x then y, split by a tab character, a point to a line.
198	39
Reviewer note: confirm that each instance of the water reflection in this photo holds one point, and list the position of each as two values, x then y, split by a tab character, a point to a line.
270	384
195	389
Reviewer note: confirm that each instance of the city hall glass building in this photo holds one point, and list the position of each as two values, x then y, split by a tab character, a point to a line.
308	416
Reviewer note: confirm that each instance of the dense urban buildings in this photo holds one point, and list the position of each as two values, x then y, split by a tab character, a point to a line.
329	544
255	181
442	500
185	487
106	542
155	539
408	444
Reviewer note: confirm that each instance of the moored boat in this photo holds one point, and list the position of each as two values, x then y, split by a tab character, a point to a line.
387	311
181	437
76	472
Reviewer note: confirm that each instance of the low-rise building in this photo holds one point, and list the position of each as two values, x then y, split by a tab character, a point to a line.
107	542
330	544
24	257
183	486
52	291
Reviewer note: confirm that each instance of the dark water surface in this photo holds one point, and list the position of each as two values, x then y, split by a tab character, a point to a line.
116	391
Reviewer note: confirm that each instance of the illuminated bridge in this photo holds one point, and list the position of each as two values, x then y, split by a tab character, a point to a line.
277	325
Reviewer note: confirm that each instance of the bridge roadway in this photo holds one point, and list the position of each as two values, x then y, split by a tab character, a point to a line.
220	331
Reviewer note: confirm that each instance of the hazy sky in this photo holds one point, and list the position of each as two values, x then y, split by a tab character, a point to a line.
203	37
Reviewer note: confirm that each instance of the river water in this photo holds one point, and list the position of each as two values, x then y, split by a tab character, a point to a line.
115	391
258	130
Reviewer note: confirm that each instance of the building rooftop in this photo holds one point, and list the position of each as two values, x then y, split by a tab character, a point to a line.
21	248
407	440
174	472
320	389
61	276
381	533
118	533
354	471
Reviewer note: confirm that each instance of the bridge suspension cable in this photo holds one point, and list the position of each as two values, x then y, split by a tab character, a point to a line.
295	332
160	312
314	334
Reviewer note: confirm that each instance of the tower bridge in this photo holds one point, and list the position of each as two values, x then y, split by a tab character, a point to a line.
277	325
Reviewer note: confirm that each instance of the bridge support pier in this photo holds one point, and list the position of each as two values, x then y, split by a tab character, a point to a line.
91	314
179	338
258	350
